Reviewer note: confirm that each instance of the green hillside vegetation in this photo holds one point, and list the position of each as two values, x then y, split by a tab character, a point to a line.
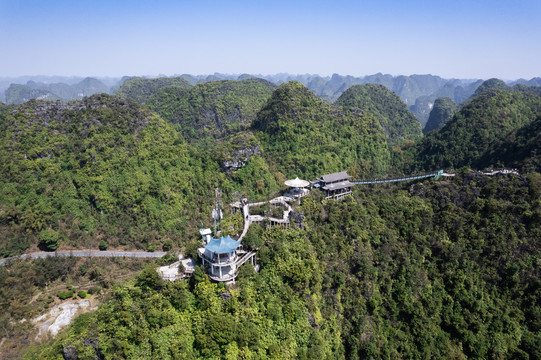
303	136
442	111
448	269
519	149
469	135
140	89
98	166
3	110
213	109
396	120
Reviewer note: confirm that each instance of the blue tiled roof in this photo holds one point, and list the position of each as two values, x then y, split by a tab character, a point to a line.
222	245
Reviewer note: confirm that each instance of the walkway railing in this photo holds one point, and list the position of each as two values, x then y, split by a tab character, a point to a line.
245	258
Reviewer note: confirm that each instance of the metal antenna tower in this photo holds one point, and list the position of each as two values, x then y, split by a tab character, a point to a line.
217	214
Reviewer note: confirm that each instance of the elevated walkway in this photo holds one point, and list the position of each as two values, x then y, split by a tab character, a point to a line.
435	175
249	219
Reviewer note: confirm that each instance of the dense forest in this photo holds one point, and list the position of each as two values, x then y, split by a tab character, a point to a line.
446	268
442	270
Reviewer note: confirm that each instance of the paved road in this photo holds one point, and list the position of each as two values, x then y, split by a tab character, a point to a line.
87	253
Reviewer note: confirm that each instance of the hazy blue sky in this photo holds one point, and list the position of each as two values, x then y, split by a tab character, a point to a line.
450	38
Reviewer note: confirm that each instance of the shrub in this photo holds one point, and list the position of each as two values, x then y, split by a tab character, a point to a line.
103	245
181	268
167	245
82	294
63	295
167	259
191	249
48	239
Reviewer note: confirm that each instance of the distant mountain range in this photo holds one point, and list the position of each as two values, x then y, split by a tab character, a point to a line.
19	93
418	92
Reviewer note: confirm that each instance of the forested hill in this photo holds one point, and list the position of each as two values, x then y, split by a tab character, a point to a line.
102	165
304	136
396	120
212	109
140	89
470	135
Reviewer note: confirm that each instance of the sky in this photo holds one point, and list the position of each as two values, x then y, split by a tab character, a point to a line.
449	38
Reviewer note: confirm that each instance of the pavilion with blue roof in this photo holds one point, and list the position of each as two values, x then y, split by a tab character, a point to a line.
223	245
223	257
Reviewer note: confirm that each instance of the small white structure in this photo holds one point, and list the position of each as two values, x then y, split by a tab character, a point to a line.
297	188
171	273
205	233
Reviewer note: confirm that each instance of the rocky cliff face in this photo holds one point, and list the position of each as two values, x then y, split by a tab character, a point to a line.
236	159
421	109
443	110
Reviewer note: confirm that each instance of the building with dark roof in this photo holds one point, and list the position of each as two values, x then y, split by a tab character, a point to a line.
336	186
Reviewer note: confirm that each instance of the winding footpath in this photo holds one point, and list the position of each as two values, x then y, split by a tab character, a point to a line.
249	219
85	253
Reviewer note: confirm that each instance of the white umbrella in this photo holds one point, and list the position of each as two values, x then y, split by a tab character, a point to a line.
297	183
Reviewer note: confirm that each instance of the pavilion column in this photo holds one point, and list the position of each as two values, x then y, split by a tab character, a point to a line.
220	271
